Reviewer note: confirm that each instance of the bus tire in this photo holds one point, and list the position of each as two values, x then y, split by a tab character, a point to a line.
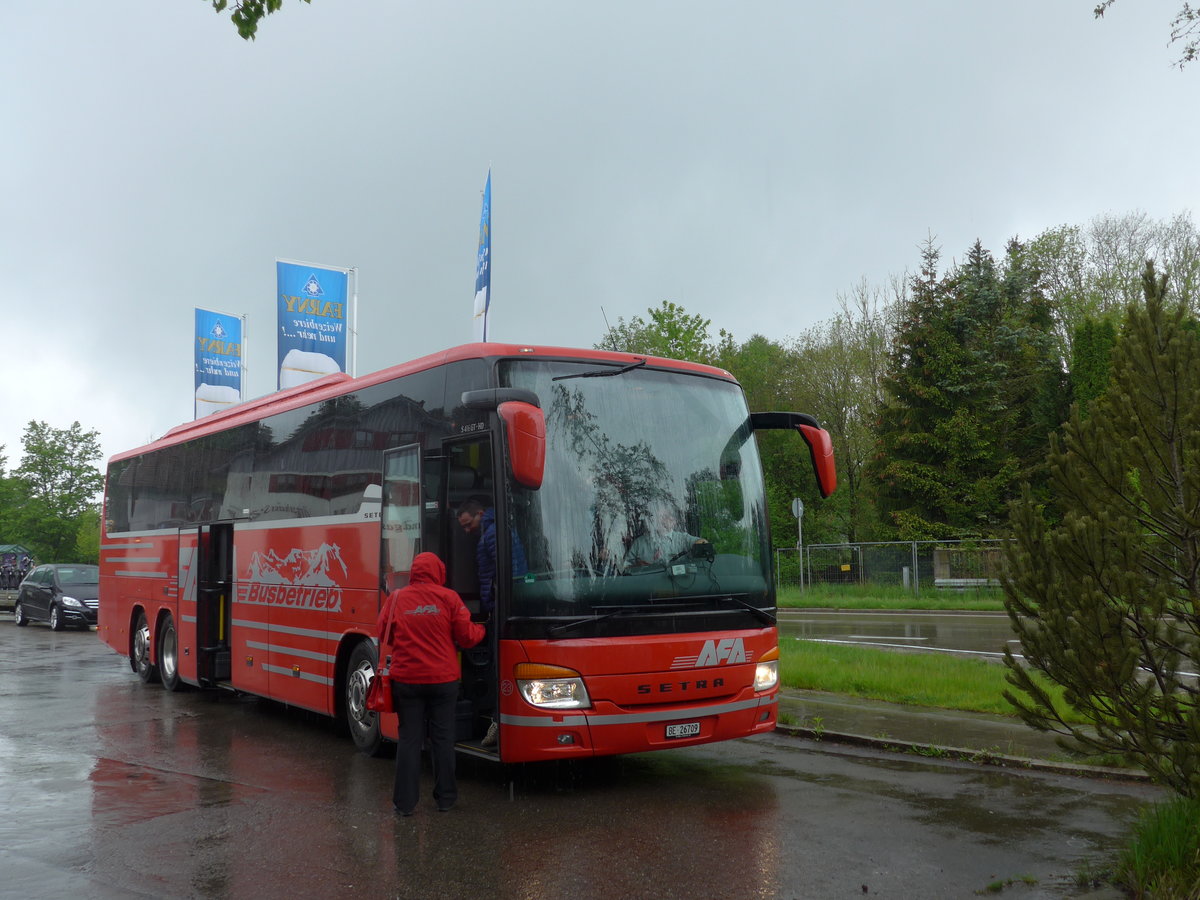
139	656
362	722
168	654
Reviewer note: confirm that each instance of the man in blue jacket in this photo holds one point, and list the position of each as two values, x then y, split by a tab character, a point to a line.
480	522
476	520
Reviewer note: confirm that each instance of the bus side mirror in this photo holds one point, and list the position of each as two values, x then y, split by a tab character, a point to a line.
820	444
820	447
525	432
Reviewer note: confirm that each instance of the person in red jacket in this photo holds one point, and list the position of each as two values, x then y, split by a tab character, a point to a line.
421	627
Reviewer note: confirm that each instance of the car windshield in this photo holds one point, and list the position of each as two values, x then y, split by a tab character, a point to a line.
78	575
652	498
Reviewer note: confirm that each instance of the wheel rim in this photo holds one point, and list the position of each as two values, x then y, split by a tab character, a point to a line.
141	646
18	613
357	681
54	618
168	657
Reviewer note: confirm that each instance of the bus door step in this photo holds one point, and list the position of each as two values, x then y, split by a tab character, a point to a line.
221	666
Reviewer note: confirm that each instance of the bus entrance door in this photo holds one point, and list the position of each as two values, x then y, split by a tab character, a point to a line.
469	486
214	602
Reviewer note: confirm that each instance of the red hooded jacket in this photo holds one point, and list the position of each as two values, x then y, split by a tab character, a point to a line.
425	625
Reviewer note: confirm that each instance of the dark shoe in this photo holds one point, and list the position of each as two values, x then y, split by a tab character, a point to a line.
445	808
401	812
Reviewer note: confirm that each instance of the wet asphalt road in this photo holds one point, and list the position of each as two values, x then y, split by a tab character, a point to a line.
983	634
110	789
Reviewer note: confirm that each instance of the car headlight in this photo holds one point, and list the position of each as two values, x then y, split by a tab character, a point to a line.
766	673
71	601
551	687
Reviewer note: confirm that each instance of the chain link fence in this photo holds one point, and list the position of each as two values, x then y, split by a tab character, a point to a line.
911	565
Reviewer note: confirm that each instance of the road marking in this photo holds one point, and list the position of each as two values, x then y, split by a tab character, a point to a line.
877	637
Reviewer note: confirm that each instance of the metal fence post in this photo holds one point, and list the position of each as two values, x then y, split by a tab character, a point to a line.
916	571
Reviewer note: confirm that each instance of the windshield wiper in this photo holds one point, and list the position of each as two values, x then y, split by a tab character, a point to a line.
651	607
759	613
601	373
570	626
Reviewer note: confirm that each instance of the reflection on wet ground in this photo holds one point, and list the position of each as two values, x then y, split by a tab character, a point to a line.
112	789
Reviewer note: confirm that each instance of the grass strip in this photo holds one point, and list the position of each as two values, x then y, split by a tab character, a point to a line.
1163	857
916	679
852	596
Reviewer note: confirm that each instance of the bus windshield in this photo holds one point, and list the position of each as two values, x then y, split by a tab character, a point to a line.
651	505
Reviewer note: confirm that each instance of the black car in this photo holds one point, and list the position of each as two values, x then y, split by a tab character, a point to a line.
59	594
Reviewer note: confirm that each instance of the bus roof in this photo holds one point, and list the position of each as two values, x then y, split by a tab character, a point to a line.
338	384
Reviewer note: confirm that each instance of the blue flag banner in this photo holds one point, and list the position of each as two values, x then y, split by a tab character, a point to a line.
218	348
483	264
313	321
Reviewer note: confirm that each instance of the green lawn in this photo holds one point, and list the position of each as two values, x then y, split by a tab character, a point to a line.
918	679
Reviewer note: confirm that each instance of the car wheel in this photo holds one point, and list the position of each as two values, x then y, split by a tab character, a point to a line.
56	622
140	657
19	615
362	722
168	655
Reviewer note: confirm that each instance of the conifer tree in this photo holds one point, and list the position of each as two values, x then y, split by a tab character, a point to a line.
943	467
1091	355
1105	597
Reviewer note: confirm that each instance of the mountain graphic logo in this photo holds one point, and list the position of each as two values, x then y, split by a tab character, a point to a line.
305	579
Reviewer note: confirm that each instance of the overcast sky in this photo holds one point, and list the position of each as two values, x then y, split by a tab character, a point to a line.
749	161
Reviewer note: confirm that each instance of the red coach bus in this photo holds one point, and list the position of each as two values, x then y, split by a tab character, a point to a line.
249	549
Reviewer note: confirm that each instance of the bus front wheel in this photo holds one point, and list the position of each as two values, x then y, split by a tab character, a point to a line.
362	722
140	657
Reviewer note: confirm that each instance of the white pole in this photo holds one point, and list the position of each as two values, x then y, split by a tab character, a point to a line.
353	367
798	512
243	392
800	544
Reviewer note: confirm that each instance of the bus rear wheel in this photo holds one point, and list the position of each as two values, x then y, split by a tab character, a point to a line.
140	657
362	722
168	655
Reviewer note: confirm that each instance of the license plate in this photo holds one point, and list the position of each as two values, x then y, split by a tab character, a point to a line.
687	729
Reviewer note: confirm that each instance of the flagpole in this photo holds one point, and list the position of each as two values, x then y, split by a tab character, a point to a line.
353	366
487	306
489	313
244	382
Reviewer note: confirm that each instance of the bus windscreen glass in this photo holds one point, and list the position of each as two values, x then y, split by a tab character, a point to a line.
651	504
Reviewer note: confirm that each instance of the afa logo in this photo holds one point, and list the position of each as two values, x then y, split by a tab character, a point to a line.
728	651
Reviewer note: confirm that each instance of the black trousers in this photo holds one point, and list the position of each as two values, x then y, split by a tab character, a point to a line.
425	709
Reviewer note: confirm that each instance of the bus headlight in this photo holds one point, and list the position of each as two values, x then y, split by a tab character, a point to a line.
766	673
551	687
